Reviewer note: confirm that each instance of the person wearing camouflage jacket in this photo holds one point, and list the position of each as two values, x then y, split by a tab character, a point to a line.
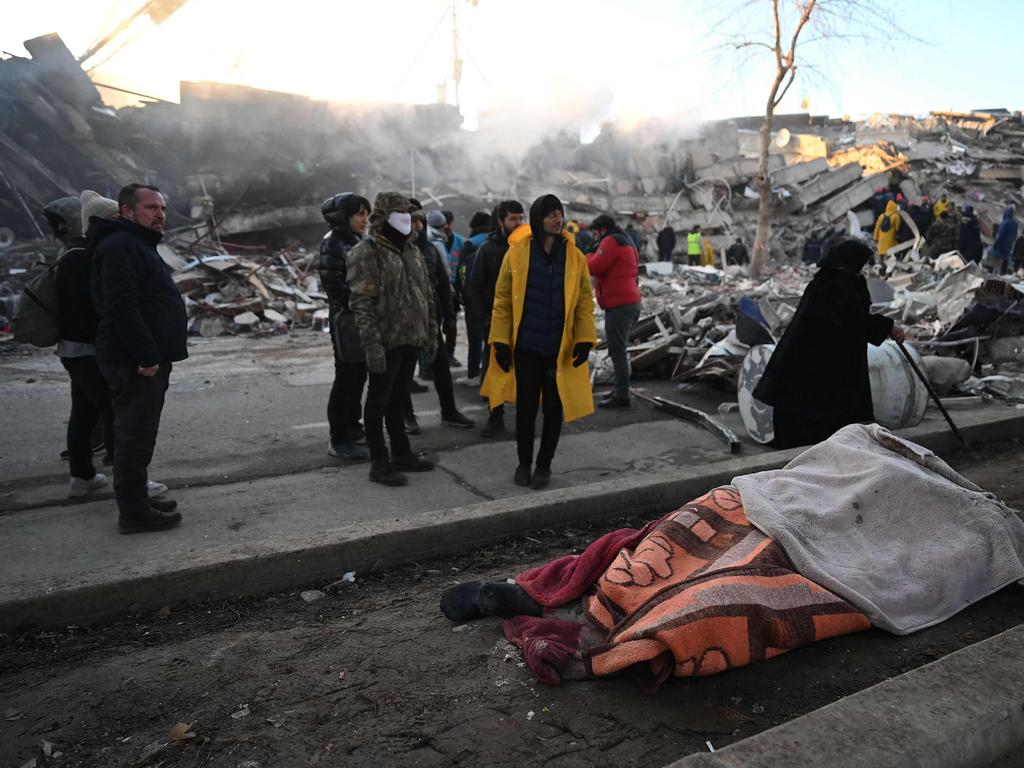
394	307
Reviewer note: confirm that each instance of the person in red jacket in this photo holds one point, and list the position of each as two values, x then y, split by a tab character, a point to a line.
614	266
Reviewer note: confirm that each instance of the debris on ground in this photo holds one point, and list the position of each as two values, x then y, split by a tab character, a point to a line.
244	222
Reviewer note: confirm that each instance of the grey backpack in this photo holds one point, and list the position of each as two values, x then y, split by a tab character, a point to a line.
36	315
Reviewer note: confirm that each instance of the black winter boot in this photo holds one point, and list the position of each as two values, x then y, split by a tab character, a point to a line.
150	520
412	463
382	472
487	598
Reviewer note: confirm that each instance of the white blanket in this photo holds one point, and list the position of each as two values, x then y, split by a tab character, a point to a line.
887	525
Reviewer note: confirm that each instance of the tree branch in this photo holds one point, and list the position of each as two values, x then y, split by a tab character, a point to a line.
781	96
796	33
778	34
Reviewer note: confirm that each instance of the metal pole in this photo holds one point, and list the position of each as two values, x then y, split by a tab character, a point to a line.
935	397
24	206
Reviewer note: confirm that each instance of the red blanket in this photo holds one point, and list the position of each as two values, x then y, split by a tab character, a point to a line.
695	593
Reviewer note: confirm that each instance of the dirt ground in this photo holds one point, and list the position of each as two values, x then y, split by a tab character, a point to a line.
374	675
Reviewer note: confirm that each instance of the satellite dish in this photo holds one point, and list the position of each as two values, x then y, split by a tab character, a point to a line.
782	138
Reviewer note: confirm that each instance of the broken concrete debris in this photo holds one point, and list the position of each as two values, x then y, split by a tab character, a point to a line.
244	219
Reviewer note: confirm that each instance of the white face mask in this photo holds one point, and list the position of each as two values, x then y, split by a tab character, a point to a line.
401	222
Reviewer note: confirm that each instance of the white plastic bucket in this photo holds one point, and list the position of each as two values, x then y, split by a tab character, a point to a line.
899	397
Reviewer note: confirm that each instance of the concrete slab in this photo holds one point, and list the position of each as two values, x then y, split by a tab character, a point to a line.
963	710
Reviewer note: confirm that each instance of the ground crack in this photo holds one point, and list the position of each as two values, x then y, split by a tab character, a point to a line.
463	483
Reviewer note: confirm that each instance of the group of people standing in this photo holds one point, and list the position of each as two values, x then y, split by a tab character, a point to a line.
945	228
529	302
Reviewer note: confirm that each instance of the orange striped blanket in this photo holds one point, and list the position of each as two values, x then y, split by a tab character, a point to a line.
702	591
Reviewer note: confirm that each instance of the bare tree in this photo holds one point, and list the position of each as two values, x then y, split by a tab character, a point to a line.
816	21
785	72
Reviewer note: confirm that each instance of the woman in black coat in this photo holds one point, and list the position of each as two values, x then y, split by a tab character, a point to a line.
817	379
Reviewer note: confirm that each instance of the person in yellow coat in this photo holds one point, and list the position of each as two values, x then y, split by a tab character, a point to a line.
707	256
941	206
542	331
886	227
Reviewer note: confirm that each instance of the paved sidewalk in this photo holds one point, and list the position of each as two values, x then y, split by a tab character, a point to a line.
68	564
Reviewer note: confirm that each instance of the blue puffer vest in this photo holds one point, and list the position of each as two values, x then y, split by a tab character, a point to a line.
540	330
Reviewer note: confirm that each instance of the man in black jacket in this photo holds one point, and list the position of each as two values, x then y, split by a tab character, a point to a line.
142	331
507	216
349	217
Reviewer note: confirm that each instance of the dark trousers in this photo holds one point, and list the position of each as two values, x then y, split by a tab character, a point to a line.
386	396
475	339
442	381
137	401
449	342
618	324
535	376
90	405
497	413
345	405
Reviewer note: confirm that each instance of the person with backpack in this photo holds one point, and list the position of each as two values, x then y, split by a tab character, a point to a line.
75	322
887	226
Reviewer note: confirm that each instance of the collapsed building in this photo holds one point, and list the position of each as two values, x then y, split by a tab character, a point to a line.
245	170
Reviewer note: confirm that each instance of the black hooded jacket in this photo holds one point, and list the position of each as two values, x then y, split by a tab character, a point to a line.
819	369
77	318
484	275
334	247
142	318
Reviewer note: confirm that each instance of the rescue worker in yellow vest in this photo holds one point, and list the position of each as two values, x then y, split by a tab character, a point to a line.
694	246
542	331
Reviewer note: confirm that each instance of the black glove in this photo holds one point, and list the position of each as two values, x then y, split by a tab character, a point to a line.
580	353
503	356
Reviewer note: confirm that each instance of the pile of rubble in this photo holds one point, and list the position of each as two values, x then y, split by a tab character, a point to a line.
244	213
699	323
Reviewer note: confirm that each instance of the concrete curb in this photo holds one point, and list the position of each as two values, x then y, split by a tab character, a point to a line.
290	562
964	710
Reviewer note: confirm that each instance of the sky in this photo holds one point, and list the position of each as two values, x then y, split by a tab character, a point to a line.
533	64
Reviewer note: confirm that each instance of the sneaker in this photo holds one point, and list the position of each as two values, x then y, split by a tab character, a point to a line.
154	488
541	478
416	388
493	427
412	426
357	435
163	505
385	474
453	362
151	520
348	451
471	382
456	419
79	487
412	463
522	476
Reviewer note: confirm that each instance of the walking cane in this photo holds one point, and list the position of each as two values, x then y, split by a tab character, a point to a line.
935	397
